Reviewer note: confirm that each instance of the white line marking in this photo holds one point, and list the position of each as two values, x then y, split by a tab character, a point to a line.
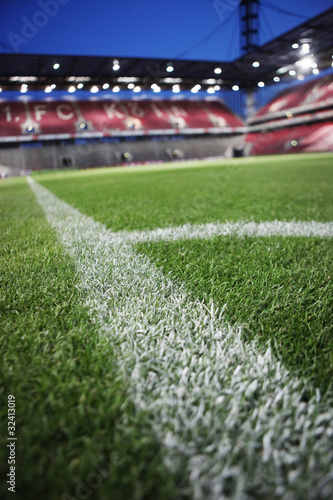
229	415
240	229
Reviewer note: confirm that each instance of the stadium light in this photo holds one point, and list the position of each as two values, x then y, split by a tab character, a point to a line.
217	87
295	46
300	77
0	89
305	49
24	88
94	89
155	87
315	71
256	64
80	85
307	63
235	88
71	89
211	90
261	84
56	66
137	89
176	88
116	65
106	86
169	68
196	88
292	72
282	70
276	79
130	86
217	71
48	89
171	80
53	86
116	89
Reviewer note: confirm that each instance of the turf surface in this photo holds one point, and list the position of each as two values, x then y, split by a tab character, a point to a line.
73	414
280	289
291	187
78	435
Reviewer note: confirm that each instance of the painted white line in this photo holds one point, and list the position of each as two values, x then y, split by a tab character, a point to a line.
229	415
240	229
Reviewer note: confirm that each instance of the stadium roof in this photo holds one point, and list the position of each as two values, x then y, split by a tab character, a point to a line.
312	41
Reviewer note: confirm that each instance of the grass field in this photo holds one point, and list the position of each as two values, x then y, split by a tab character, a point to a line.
188	367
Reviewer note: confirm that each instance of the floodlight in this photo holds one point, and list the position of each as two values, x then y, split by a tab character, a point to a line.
48	89
217	71
106	86
137	89
307	63
94	89
176	88
276	79
80	85
217	87
261	84
116	89
71	89
292	72
53	86
256	64
315	71
56	66
305	49
235	88
116	65
130	86
211	90
169	68
24	88
295	45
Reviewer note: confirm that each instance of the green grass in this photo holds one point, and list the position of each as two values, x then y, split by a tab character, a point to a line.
73	411
297	186
75	425
280	289
283	293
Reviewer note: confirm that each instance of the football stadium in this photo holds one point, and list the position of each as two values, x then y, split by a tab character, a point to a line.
166	264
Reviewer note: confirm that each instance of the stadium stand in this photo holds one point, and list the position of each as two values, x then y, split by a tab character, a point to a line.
49	120
105	132
299	119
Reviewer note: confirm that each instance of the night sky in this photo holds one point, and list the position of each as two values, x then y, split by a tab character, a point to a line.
186	29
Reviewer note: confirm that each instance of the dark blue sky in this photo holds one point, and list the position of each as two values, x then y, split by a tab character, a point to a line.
146	28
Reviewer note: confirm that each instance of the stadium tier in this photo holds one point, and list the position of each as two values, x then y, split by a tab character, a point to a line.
308	97
20	121
304	138
299	119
